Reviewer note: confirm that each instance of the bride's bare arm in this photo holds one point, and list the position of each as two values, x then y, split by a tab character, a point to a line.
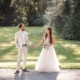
41	41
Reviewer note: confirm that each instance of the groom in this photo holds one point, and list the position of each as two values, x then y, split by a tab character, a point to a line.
22	42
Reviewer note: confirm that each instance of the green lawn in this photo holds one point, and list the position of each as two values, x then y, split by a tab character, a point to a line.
68	52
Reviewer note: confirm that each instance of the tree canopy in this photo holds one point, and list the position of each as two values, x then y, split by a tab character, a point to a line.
64	15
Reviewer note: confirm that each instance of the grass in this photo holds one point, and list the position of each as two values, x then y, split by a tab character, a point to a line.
68	51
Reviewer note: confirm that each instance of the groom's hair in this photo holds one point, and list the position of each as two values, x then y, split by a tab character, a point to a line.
20	25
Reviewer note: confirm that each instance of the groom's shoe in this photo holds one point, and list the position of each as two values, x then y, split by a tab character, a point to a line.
16	72
24	70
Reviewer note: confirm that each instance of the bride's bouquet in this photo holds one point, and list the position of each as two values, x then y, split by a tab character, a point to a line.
46	45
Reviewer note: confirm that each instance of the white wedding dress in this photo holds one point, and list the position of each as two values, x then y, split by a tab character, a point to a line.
47	61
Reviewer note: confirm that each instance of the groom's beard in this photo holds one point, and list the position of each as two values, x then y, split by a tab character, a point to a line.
23	30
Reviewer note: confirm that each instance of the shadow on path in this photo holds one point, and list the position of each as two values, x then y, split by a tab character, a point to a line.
36	76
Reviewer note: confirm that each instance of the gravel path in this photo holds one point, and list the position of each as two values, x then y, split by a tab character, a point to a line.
8	74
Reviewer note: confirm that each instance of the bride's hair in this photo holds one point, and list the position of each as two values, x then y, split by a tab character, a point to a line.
50	33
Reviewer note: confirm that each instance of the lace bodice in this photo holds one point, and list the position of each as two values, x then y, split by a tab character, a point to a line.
46	43
46	40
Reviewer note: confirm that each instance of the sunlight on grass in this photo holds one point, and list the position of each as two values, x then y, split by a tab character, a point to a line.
73	46
67	51
6	45
60	57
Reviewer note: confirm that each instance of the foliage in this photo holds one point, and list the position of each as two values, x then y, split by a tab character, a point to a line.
63	14
63	11
72	27
6	12
13	12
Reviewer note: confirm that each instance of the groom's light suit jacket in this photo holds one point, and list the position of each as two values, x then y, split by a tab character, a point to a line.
19	40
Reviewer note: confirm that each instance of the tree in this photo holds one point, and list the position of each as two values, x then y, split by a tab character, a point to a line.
6	11
13	12
63	11
72	28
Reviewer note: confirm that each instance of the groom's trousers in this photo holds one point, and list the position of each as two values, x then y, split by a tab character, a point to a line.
22	52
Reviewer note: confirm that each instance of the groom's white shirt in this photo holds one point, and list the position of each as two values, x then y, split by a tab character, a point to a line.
21	38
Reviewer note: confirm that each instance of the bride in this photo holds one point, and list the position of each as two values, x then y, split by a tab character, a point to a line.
47	61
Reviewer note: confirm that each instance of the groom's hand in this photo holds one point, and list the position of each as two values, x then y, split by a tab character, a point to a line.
33	45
